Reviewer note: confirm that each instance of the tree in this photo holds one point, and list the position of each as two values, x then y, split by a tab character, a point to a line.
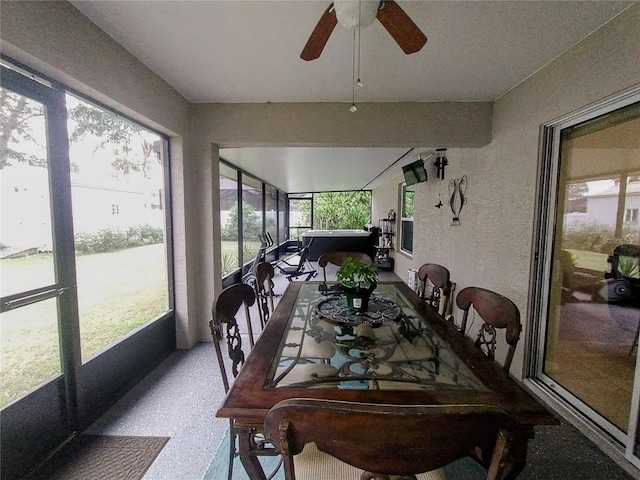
112	130
341	210
18	115
251	223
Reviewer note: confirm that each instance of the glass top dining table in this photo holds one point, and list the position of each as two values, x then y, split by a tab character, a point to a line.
401	351
390	346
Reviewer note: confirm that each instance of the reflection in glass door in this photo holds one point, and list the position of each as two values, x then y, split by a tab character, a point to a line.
593	310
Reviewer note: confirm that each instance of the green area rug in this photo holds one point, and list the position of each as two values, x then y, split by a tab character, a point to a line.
464	469
102	457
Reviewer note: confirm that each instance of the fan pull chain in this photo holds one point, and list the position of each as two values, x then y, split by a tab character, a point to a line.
355	80
353	107
359	82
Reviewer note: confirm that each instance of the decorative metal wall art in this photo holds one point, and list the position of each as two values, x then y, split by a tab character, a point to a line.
441	162
457	198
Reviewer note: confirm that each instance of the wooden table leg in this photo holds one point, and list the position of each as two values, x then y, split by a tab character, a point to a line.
516	458
247	456
505	459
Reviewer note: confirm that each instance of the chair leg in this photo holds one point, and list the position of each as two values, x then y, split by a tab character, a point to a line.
232	449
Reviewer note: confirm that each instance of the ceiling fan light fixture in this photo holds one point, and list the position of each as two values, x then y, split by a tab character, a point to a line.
356	13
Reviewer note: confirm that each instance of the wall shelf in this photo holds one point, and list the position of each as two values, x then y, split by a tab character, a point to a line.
386	233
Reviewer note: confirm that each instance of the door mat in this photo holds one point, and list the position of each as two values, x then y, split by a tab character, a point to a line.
102	457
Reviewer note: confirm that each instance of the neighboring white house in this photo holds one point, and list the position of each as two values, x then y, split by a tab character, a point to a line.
113	203
599	208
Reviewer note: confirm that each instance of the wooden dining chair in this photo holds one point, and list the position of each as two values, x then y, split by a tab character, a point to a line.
223	325
497	312
338	258
385	441
436	288
263	286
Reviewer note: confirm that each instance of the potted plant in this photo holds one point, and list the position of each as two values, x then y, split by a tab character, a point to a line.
357	280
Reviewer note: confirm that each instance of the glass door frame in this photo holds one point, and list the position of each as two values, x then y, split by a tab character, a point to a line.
545	234
65	287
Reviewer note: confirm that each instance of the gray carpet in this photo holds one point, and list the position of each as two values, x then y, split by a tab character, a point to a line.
561	452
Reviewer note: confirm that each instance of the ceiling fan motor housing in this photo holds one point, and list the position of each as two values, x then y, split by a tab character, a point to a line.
356	13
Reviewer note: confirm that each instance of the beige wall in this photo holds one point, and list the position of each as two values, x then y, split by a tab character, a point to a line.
332	124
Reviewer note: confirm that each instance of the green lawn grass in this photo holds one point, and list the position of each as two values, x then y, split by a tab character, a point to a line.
117	292
590	260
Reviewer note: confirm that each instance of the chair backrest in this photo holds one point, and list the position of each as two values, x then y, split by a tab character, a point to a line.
496	311
388	439
263	285
435	286
223	313
338	258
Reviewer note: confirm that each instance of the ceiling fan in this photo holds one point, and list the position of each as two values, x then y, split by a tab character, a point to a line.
360	13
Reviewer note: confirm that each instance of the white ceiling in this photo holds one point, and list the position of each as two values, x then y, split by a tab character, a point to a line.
300	169
248	51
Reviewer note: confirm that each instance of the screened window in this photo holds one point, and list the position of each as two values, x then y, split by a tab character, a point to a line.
406	220
341	210
229	223
117	187
282	217
252	226
300	218
271	211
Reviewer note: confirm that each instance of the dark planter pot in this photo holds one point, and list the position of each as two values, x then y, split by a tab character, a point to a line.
358	298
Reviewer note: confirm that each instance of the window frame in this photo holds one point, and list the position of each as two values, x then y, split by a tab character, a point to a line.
405	221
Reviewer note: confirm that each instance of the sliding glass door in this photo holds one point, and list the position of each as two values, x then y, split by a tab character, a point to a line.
589	343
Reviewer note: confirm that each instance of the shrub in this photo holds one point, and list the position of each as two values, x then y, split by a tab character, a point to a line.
111	239
229	263
593	237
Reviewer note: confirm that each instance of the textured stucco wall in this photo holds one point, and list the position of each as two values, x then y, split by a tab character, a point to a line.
493	245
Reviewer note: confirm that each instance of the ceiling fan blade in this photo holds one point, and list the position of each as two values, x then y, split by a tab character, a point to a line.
320	35
401	27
